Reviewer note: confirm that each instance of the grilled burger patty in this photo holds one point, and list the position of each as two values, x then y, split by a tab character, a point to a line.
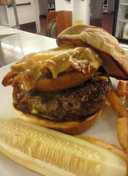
71	104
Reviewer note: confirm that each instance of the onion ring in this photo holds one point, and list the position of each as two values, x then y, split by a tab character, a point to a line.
64	81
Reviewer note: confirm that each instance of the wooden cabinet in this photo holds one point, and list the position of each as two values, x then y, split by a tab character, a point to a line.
63	20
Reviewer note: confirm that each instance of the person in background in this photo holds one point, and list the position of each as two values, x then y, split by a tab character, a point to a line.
43	9
96	9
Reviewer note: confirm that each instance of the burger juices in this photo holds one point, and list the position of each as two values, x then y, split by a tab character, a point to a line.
66	84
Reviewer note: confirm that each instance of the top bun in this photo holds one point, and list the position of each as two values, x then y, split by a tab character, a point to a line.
102	41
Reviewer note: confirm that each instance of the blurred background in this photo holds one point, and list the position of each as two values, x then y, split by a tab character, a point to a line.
50	17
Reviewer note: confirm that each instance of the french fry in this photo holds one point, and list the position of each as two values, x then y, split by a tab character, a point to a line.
122	132
122	88
116	103
122	120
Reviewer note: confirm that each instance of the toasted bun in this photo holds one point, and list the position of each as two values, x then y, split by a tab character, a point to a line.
103	42
72	127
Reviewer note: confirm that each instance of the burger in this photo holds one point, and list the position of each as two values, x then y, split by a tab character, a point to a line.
65	88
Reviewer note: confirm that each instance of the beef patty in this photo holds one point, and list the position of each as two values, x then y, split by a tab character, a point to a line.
70	104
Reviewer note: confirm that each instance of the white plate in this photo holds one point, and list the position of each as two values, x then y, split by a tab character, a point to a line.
104	129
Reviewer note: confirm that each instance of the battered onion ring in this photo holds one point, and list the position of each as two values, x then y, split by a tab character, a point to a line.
9	78
64	81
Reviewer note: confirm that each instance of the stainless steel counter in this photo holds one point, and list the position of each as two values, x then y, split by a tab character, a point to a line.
21	43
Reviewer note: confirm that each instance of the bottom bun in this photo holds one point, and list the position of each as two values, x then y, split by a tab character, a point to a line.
72	127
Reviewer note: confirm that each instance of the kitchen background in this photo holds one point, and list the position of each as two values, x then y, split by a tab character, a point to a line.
49	17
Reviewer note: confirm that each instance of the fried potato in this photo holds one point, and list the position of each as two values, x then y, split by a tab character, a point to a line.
122	132
122	120
116	104
122	88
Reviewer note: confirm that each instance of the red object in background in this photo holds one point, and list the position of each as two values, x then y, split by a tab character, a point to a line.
51	24
107	22
3	2
51	15
63	20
